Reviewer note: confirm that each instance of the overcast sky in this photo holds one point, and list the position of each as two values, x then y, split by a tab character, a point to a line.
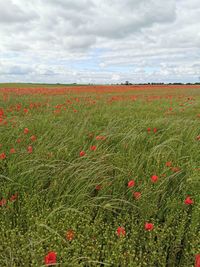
100	41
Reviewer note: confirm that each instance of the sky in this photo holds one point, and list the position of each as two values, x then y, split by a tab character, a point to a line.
99	41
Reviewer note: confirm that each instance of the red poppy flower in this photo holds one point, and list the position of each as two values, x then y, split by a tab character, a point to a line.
155	130
50	258
82	153
13	197
198	138
30	149
98	187
12	151
136	195
149	226
121	231
70	235
33	138
3	202
197	260
2	155
168	164
154	178
93	148
18	140
100	137
148	130
188	201
1	112
26	130
131	183
175	169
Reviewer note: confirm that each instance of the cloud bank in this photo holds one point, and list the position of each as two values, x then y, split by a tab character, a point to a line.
99	41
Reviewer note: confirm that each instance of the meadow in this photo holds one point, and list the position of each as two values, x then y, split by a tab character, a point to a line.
100	176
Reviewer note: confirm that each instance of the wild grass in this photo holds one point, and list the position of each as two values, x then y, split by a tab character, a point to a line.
57	190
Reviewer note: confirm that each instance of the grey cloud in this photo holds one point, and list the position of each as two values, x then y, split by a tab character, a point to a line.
11	13
120	19
77	43
87	20
73	5
14	70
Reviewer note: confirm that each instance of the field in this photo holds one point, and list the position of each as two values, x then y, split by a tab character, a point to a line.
100	176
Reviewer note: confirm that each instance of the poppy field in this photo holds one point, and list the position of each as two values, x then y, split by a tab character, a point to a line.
100	176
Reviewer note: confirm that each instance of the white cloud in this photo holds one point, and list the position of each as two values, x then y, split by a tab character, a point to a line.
99	40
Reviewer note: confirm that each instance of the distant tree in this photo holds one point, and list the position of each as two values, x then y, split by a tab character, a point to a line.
177	83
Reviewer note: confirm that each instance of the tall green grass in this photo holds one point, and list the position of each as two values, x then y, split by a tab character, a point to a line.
57	188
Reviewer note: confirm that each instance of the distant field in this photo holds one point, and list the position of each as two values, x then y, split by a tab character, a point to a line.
33	85
99	175
54	89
